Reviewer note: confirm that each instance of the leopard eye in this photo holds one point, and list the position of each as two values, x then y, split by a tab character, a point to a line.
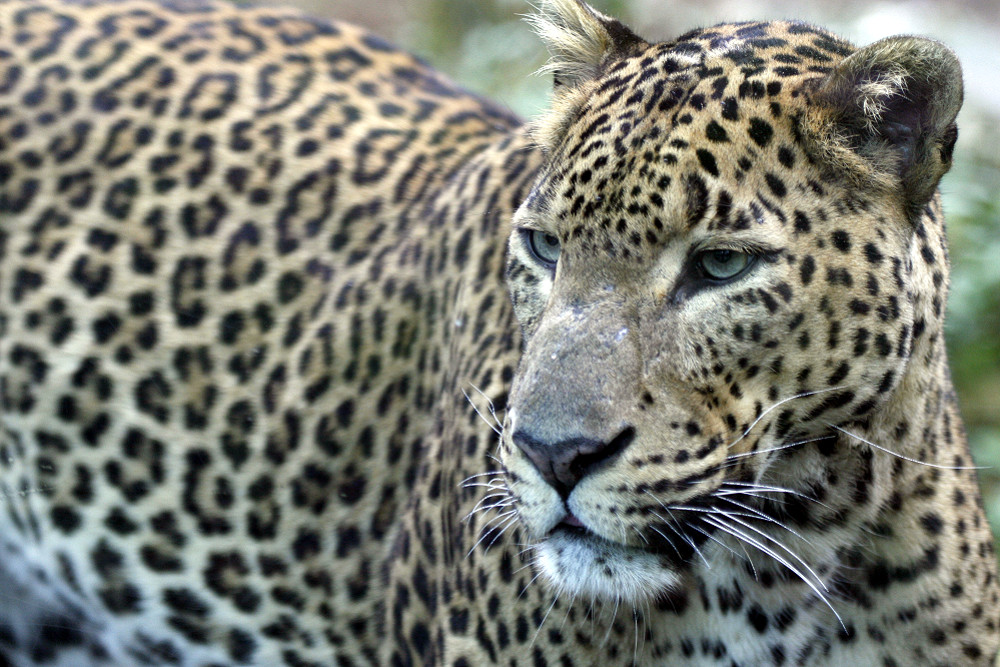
544	246
723	264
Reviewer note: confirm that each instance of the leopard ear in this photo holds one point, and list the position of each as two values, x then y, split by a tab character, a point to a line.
579	39
894	104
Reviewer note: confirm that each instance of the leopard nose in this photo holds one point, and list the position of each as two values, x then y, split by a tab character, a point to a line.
564	463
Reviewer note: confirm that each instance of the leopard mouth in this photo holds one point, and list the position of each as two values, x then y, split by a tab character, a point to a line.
676	545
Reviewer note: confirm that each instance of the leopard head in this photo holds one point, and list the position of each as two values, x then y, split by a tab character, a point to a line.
722	266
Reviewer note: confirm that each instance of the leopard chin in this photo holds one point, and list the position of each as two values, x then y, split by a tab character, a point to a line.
578	564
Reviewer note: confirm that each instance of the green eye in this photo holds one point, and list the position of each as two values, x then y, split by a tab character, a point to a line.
723	264
545	247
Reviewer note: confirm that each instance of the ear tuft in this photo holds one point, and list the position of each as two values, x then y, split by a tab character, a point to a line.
579	38
894	103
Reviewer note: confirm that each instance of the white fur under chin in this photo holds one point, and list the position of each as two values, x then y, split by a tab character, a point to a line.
591	568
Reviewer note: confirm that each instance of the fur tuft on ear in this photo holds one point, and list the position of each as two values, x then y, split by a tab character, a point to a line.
893	103
581	41
579	38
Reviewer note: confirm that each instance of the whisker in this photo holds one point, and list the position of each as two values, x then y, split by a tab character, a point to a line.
481	474
635	643
489	402
530	581
675	527
555	599
503	528
493	428
532	563
779	543
777	405
526	549
611	623
673	520
508	517
665	538
737	533
484	510
898	455
756	513
716	540
493	485
499	494
569	608
741	455
762	488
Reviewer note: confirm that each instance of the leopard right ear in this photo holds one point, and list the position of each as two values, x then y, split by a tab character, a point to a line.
580	39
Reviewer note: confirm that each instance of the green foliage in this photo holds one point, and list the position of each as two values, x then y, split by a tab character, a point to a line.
973	327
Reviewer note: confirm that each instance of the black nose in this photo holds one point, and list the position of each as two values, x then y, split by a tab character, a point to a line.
566	462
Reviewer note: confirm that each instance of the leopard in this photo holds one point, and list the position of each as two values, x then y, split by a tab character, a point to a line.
311	357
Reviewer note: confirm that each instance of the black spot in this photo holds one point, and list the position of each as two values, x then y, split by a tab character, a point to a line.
839	374
730	109
932	523
141	303
65	518
242	646
859	307
696	203
715	132
802	224
806	269
841	240
760	131
289	287
351	491
758	619
786	157
776	185
186	602
707	161
105	327
121	598
306	544
872	253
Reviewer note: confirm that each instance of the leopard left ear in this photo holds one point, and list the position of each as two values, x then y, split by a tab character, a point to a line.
893	103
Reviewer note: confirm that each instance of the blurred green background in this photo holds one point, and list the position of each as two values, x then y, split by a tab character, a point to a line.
486	46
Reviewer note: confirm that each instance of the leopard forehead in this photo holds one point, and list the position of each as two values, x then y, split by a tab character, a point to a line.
705	126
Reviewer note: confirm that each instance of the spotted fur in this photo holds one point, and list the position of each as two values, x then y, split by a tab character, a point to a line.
263	279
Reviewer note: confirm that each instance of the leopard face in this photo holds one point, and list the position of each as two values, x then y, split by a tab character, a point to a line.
725	273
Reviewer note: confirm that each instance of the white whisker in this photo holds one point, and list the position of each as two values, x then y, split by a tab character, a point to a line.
719	523
611	623
555	599
495	429
779	543
716	540
508	518
758	514
779	404
741	455
489	402
530	581
898	455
